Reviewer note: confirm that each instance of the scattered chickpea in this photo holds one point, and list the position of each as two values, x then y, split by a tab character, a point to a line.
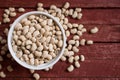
9	68
75	14
11	9
6	20
72	42
71	59
78	9
13	14
82	42
36	76
21	10
5	15
2	74
89	42
70	68
94	30
76	58
32	71
82	58
77	64
75	49
69	47
40	4
63	58
7	11
73	31
75	37
67	5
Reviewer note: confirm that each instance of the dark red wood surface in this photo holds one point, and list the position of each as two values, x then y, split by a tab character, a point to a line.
102	58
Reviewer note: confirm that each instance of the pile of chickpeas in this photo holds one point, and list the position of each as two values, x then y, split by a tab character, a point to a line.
37	39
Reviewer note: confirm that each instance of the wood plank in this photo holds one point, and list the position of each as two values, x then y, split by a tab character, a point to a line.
111	30
61	78
75	3
90	16
102	60
107	33
89	68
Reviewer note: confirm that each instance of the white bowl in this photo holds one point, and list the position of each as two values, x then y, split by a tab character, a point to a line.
41	66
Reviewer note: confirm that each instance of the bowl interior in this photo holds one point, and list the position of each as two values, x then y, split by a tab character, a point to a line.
41	66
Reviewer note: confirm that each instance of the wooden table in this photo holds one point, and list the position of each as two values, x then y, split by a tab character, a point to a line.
102	58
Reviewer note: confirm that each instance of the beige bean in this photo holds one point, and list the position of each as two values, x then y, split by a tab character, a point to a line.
33	47
28	35
19	54
7	11
79	16
76	58
75	49
82	58
28	42
2	74
73	31
32	71
71	59
70	68
21	9
60	43
67	5
71	42
36	62
31	55
77	43
6	20
76	37
69	47
31	29
77	64
32	61
69	25
36	33
31	17
63	58
21	37
82	42
80	26
5	15
79	33
13	14
75	14
37	26
38	54
78	9
9	68
18	26
40	4
89	42
94	30
84	30
67	33
11	9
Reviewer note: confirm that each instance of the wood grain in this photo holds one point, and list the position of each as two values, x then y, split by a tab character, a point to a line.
59	3
102	58
91	16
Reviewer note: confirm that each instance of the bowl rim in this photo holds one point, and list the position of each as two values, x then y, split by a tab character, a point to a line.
24	64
